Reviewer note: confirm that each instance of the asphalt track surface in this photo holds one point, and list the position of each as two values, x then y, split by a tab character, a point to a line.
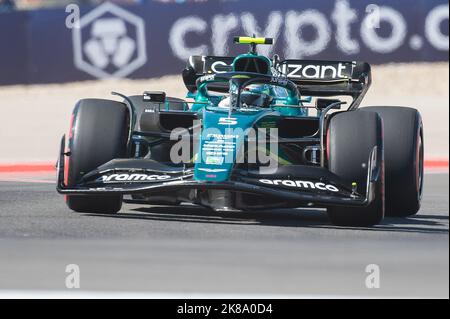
188	251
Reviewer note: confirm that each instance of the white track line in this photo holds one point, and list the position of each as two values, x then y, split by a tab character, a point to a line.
434	171
77	294
24	180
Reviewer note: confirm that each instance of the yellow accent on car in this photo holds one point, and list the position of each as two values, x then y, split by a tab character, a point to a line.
250	40
240	76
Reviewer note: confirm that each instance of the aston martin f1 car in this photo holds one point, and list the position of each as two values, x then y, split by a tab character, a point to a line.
254	133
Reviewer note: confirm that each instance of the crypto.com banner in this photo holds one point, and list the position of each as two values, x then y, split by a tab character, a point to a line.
155	39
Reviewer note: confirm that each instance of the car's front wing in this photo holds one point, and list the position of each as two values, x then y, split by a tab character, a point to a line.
313	186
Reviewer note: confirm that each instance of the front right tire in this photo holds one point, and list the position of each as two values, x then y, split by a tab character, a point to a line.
404	156
351	137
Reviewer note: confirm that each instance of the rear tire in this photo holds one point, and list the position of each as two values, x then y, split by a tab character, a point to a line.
98	135
351	138
404	149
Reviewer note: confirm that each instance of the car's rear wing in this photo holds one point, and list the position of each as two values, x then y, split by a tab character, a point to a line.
329	78
313	77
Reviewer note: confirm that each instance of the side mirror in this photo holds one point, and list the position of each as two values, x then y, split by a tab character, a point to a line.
324	103
154	96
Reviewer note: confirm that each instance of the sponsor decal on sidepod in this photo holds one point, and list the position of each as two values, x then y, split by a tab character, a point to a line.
300	184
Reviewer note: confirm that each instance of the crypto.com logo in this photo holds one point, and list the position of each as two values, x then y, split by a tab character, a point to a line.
109	42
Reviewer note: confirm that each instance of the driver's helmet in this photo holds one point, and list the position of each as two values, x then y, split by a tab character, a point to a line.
256	95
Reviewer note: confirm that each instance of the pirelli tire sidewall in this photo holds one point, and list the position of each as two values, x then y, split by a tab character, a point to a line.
351	137
99	134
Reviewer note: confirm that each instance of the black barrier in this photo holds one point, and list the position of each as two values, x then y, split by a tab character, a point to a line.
154	39
13	48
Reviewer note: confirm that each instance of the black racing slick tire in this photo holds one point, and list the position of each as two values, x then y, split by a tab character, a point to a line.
351	137
404	150
98	134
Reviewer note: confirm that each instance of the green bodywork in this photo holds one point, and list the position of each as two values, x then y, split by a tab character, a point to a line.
224	130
